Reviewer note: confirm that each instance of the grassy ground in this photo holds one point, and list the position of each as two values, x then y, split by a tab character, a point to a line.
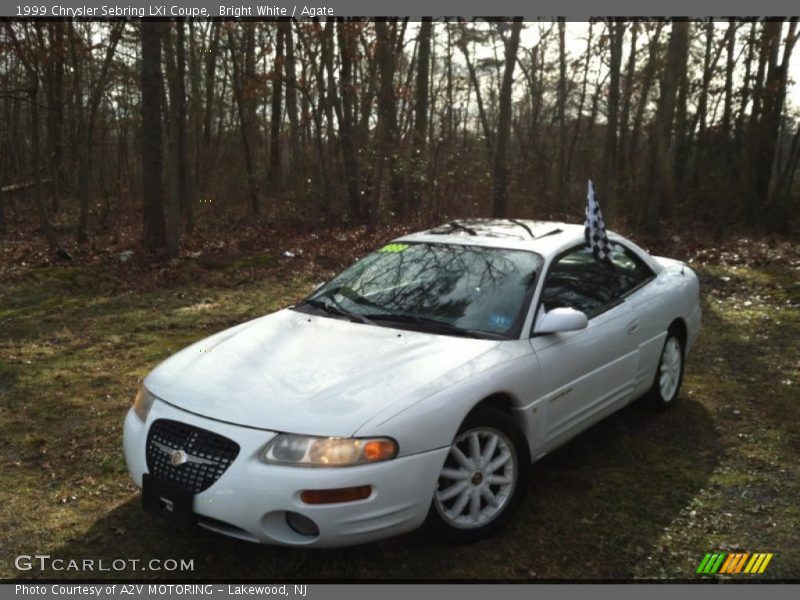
639	495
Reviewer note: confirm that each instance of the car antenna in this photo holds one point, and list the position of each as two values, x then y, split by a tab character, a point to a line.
525	227
555	231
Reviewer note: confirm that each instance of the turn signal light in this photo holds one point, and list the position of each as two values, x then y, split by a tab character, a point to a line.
382	449
335	496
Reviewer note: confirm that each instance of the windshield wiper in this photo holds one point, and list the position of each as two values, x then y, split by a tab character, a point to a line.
433	325
338	310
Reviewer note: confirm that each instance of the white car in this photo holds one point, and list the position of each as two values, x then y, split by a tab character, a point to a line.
420	383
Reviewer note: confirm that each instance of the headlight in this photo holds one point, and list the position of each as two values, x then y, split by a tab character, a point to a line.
143	402
308	451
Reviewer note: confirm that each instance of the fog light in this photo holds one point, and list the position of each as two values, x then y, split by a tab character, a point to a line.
350	494
302	524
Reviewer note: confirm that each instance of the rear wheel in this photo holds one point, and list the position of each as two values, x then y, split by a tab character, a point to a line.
484	477
667	384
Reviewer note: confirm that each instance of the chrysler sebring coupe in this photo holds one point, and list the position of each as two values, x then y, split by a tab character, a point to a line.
417	385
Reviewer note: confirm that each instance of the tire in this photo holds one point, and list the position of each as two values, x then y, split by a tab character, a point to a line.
472	499
669	375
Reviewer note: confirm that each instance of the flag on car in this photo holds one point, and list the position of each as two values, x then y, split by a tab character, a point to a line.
595	227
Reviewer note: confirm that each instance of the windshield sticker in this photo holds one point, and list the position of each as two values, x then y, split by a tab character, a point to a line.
393	248
500	322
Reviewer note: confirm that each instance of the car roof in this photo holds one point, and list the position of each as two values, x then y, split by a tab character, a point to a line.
547	238
544	237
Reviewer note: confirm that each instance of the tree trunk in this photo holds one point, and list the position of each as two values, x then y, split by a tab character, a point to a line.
387	115
291	92
347	49
581	102
769	126
661	168
681	144
730	43
194	123
333	103
624	118
276	117
420	157
178	197
648	75
208	114
31	63
751	45
243	106
561	101
784	184
501	169
55	113
88	133
154	224
185	196
616	32
487	131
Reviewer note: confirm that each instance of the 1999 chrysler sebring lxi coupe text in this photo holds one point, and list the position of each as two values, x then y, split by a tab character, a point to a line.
419	383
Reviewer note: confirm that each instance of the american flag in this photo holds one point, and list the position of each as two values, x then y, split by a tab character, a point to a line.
595	227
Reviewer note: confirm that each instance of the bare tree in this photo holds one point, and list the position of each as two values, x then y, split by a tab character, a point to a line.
276	115
87	145
245	105
420	159
154	232
28	57
616	32
501	170
661	169
387	113
346	37
55	111
561	101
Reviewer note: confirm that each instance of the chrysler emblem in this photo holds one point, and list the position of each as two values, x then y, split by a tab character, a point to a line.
178	457
181	457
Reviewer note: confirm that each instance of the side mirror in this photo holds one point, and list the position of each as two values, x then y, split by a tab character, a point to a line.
561	319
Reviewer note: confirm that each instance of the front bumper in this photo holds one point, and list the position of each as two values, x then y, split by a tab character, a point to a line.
251	499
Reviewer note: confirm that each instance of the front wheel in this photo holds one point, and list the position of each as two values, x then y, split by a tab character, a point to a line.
484	478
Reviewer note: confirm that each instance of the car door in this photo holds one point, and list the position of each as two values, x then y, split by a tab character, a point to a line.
587	373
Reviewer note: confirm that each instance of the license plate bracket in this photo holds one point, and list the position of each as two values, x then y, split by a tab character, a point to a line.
169	501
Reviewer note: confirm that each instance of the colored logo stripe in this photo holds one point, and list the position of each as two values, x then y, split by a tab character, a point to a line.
711	563
758	563
734	563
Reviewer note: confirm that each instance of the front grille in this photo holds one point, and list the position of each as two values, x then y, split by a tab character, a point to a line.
208	454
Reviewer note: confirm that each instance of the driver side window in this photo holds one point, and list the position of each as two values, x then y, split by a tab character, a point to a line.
578	280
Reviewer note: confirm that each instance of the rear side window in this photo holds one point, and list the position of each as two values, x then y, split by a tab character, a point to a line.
630	270
578	280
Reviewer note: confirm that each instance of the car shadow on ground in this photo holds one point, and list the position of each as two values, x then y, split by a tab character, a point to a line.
596	508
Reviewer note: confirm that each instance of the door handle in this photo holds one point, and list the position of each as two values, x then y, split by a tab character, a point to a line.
633	327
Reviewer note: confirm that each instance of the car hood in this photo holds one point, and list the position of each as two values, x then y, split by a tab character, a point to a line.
300	373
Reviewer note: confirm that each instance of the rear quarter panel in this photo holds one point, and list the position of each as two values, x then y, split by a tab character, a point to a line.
672	295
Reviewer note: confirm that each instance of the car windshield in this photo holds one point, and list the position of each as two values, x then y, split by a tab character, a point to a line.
445	288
